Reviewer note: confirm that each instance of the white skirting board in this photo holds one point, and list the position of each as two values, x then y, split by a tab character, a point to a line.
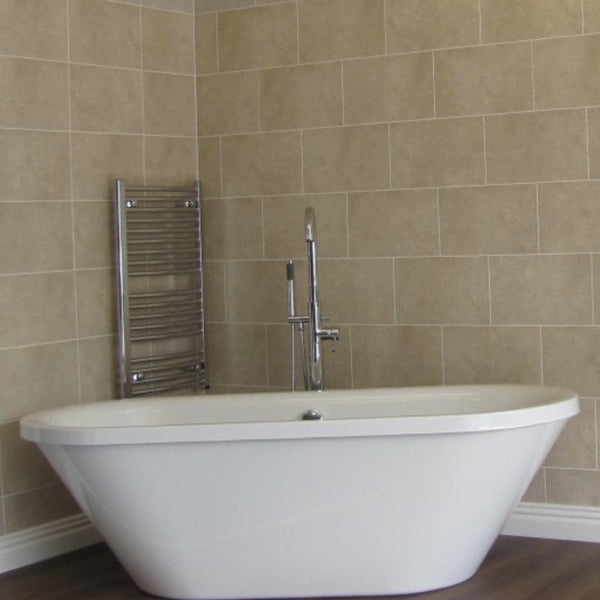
65	535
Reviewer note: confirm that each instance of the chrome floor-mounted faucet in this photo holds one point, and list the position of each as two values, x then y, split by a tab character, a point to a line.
312	352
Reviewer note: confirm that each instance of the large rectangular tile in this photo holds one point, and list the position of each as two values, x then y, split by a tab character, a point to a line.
442	290
439	152
96	298
492	355
388	88
263	36
593	122
538	146
396	223
358	27
301	96
206	44
33	94
98	364
346	158
425	24
573	486
392	355
483	79
209	166
566	71
488	219
269	163
504	20
170	160
94	226
538	289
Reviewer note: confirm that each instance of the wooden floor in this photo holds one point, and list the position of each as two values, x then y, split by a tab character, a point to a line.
515	569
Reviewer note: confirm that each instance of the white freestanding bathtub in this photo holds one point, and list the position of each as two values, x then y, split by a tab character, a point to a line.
393	491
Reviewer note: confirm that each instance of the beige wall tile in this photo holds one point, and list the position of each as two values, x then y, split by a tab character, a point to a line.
572	486
357	291
228	103
94	226
34	165
265	36
397	223
591	15
232	228
425	24
594	141
99	159
484	79
442	290
54	384
345	158
303	96
576	446
536	492
545	290
566	71
284	225
255	291
23	465
204	6
185	6
568	214
33	94
488	220
33	28
268	163
596	286
237	354
392	355
331	29
571	358
38	506
169	104
437	152
105	99
104	33
96	312
37	308
214	292
170	160
492	355
35	236
504	20
388	88
168	41
539	146
97	359
209	166
206	44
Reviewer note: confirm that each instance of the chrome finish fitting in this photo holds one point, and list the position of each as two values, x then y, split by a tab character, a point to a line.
312	415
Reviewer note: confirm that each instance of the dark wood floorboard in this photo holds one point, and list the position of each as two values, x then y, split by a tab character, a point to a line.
515	569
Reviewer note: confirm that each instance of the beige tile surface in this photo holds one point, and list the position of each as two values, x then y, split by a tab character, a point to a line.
591	15
573	486
104	33
301	96
492	355
214	291
504	20
538	146
392	355
98	364
442	290
396	223
93	223
388	88
268	163
209	165
538	289
484	79
206	44
96	299
439	152
331	29
424	24
488	219
170	160
265	36
593	115
345	158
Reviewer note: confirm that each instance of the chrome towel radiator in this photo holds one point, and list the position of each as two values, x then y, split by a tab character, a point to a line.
159	289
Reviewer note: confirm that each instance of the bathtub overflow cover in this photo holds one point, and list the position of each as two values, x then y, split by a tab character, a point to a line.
312	415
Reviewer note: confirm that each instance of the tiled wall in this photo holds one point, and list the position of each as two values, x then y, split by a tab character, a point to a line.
451	150
90	90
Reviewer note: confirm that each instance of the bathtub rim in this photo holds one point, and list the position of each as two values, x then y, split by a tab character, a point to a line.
564	404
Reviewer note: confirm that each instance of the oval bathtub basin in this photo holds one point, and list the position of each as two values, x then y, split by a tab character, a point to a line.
390	491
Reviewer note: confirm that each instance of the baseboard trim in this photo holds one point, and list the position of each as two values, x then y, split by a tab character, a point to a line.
555	521
45	541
